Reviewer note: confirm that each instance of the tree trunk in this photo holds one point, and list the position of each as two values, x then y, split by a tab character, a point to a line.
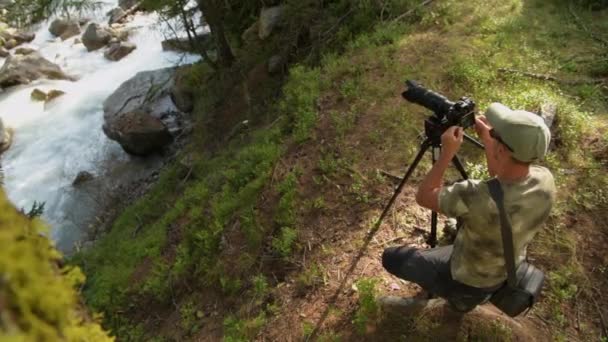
213	13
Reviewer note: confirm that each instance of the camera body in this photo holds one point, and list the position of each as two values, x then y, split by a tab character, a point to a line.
446	113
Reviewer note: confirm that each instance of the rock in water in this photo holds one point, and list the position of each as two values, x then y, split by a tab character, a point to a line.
269	20
64	28
139	133
38	95
21	69
96	37
53	94
115	14
24	51
119	50
140	114
4	53
82	177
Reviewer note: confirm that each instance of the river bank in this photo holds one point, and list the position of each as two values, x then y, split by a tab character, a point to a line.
54	142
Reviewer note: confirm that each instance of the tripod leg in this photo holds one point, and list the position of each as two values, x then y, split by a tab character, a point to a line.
423	148
473	141
432	240
458	165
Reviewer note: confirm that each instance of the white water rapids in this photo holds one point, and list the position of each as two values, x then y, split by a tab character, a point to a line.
52	145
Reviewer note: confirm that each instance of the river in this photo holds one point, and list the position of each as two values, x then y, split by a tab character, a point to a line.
53	144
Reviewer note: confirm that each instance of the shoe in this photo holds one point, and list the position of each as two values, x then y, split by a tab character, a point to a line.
405	305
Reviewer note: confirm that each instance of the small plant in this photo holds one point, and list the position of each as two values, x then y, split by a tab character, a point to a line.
284	243
309	279
369	309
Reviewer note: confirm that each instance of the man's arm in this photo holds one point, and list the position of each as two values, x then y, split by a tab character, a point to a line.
428	191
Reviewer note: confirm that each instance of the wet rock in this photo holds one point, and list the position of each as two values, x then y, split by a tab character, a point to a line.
95	37
77	41
115	15
11	44
38	95
53	94
119	50
82	177
133	114
269	20
24	51
20	69
4	53
64	28
139	133
23	37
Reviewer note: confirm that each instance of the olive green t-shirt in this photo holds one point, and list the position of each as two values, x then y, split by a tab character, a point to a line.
477	259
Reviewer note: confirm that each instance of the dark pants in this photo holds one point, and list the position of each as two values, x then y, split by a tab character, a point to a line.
430	268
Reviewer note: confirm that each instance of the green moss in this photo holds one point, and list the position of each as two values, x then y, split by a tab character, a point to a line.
38	296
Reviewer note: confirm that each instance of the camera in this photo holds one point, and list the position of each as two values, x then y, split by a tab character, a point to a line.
447	113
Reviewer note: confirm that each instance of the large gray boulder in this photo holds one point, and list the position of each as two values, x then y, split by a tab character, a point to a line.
139	133
64	28
95	37
270	18
23	69
140	115
119	50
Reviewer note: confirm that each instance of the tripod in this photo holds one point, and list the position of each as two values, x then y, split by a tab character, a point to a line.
432	141
433	130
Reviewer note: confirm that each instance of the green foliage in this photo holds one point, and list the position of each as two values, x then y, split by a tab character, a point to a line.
368	309
309	279
285	242
239	330
299	101
26	12
39	300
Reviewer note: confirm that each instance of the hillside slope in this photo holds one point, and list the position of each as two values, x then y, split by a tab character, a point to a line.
250	242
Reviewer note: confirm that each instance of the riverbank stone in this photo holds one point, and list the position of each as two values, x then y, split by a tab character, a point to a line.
64	28
95	37
23	69
119	50
139	133
140	114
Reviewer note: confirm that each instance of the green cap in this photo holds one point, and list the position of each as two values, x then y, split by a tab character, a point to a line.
526	133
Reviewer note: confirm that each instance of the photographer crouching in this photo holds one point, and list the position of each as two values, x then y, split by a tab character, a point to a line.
473	269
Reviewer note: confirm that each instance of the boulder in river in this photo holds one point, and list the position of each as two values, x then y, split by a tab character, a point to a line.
119	50
53	94
64	28
20	69
115	15
38	95
183	44
140	114
95	37
24	51
139	133
3	52
82	177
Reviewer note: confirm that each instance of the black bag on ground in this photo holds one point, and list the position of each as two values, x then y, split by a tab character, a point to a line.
523	286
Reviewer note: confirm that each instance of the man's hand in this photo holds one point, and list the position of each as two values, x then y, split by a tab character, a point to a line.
451	140
482	126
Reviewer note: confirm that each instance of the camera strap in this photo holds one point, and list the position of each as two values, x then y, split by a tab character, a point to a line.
506	231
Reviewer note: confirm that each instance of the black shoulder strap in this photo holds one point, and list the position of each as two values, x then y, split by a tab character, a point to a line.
505	225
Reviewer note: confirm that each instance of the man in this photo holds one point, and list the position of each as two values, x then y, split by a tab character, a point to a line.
468	272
